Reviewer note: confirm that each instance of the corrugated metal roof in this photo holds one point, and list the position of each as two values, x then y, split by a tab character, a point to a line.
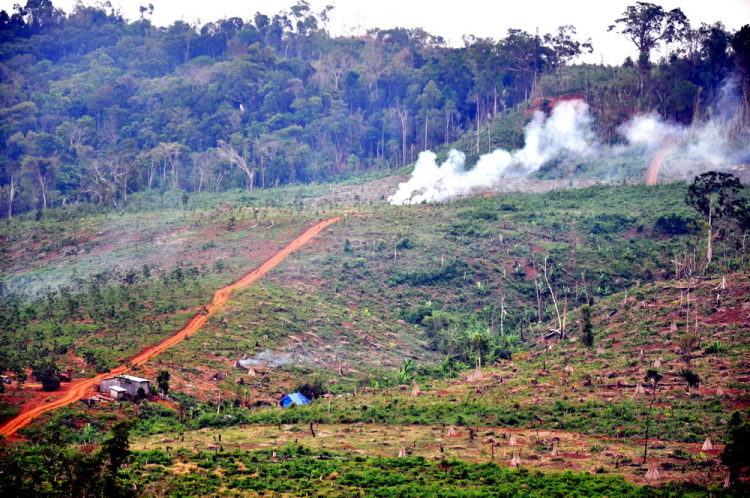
133	379
118	389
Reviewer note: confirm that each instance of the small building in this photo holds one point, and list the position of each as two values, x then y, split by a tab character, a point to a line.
128	384
294	398
118	392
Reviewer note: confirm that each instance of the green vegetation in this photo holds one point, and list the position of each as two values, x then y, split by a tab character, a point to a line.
296	470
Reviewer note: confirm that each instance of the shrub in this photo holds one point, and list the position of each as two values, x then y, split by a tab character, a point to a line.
448	272
469	228
479	214
312	388
405	243
675	224
607	223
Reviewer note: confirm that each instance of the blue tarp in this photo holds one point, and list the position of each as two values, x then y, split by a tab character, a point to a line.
296	398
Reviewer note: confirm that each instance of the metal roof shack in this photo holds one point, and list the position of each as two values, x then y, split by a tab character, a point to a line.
133	378
118	392
129	383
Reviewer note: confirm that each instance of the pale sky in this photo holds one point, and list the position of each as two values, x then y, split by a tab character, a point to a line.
450	19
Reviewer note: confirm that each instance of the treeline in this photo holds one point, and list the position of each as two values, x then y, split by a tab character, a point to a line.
94	106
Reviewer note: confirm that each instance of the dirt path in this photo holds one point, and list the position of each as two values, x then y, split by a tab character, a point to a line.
77	389
652	173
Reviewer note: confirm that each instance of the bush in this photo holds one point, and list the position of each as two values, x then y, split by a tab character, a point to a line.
417	314
479	214
405	243
675	224
715	348
448	272
607	223
469	228
312	388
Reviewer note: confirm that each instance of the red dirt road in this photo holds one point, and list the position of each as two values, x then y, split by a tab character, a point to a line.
78	389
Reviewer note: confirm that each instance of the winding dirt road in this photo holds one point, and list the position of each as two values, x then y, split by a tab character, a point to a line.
78	388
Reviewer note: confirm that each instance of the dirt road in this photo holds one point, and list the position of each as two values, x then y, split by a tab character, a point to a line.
78	388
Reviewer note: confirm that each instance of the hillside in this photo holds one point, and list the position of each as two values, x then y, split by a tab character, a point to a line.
387	298
486	269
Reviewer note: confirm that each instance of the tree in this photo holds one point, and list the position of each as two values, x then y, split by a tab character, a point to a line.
688	344
735	455
228	153
48	374
11	190
170	153
715	196
429	101
406	373
333	66
163	381
43	170
646	24
114	453
691	378
266	147
652	377
741	45
183	202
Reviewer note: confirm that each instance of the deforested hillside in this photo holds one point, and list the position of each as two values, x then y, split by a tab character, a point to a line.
472	316
254	258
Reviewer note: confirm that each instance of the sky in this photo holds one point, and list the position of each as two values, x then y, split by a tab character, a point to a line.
449	19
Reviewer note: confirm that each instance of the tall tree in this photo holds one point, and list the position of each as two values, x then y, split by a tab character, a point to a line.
43	170
715	196
645	25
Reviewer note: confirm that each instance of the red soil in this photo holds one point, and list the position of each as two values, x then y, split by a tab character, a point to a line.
76	390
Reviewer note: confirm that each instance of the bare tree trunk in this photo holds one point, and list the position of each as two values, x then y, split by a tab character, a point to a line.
403	117
11	195
502	315
560	322
648	423
42	189
478	121
710	250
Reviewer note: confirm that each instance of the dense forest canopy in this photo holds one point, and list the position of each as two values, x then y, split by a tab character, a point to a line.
95	106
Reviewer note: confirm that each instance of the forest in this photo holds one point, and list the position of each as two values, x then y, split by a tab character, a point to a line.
96	107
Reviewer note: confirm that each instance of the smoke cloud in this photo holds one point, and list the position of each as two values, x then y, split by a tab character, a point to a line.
567	136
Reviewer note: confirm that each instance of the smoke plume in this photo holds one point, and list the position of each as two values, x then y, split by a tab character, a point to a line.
567	136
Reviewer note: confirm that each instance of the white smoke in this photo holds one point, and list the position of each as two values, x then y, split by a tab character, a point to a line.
686	150
567	130
649	131
567	134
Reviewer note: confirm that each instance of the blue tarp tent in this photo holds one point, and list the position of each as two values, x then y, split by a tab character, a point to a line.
296	398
